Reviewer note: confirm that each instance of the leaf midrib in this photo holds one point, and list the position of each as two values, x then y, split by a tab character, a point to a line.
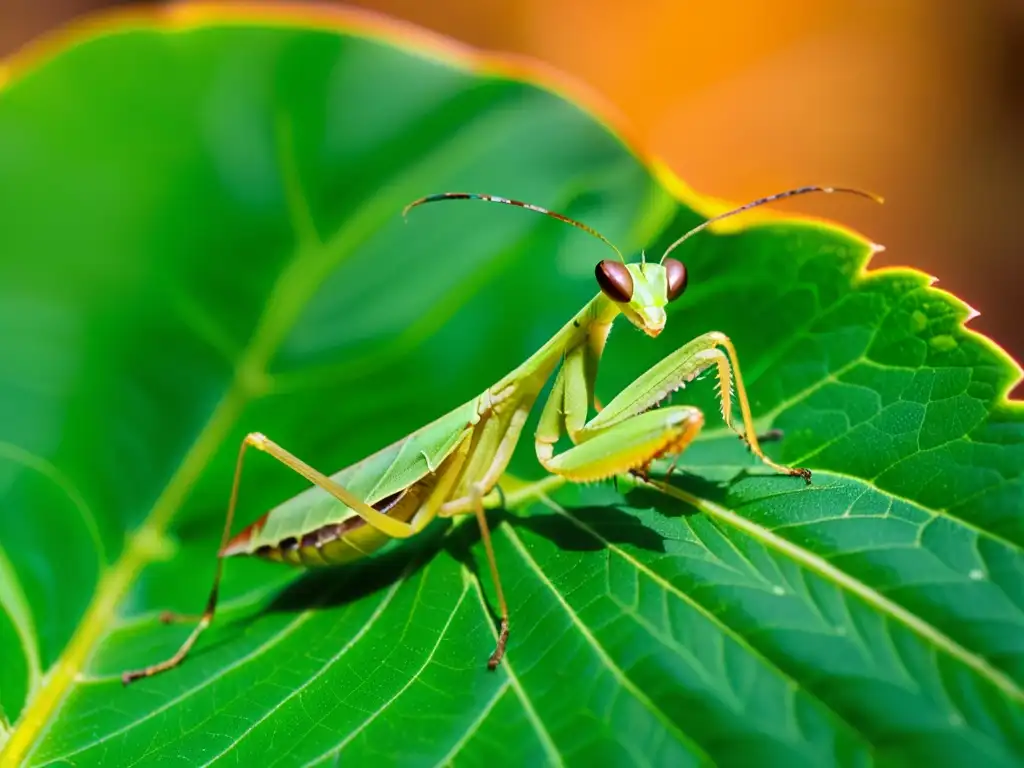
13	598
536	491
287	298
245	383
141	544
204	683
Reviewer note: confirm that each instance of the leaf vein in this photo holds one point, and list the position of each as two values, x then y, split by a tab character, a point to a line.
624	681
66	485
15	605
842	579
330	663
412	679
531	714
253	655
298	279
727	630
475	725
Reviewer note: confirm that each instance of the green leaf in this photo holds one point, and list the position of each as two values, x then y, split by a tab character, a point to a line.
201	235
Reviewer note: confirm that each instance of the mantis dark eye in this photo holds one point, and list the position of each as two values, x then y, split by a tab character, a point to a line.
615	281
675	274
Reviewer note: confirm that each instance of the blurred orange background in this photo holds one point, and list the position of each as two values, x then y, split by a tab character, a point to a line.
919	100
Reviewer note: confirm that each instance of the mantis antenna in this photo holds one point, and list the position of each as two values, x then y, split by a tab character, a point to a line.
506	201
762	201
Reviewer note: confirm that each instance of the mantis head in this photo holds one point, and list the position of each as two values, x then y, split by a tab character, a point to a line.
640	291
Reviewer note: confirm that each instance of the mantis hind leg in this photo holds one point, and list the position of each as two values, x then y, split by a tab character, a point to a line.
206	618
390	526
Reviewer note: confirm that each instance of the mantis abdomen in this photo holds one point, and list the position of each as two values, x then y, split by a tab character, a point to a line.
410	478
331	543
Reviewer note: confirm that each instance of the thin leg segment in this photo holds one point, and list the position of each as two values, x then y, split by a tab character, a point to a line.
456	507
211	602
395	528
481	478
485	535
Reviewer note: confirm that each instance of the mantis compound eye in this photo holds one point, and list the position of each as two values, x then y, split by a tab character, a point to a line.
675	275
615	281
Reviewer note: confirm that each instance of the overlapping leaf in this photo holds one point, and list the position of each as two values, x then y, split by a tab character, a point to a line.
200	235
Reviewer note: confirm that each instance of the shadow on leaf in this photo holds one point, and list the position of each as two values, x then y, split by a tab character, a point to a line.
694	485
611	524
339	585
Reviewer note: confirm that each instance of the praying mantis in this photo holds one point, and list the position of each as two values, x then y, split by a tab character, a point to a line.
447	467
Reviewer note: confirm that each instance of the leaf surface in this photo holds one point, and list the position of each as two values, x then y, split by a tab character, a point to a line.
201	236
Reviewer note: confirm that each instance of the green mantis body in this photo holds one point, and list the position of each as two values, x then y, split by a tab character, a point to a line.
447	467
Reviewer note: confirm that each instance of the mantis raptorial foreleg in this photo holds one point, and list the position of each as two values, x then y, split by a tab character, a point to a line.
627	435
